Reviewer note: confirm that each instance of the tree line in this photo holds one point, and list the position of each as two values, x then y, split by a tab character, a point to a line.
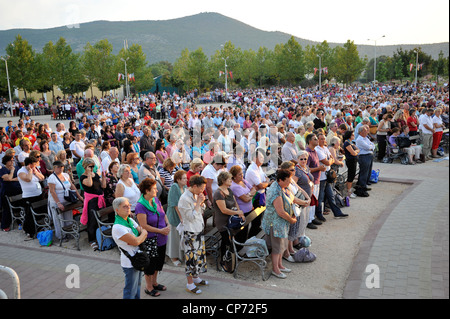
287	64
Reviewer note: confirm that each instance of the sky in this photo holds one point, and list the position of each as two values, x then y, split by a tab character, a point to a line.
364	22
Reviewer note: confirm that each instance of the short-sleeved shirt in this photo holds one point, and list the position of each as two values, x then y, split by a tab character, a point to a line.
59	189
323	153
9	188
154	220
255	176
210	172
238	191
220	218
118	231
313	162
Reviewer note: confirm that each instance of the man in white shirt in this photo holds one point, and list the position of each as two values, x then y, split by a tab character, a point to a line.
113	155
255	175
211	172
426	123
77	147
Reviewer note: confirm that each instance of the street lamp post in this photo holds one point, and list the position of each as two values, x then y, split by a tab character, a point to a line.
320	73
7	77
375	59
126	75
417	66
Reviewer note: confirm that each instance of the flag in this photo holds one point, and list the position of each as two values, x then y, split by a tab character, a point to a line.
220	73
315	71
411	67
231	74
325	69
420	66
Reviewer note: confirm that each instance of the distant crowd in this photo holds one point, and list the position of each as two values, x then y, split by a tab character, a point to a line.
219	155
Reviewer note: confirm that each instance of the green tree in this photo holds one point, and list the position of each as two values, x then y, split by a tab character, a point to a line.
348	63
327	57
21	65
265	65
197	68
67	68
180	76
289	59
137	66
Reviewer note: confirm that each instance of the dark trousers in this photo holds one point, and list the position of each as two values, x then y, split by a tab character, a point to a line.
365	169
326	194
92	225
382	142
28	224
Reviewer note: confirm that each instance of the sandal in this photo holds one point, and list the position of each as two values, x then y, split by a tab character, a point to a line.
201	283
160	287
153	293
94	246
194	291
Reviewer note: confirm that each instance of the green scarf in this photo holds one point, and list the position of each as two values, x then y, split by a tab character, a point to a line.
153	208
127	223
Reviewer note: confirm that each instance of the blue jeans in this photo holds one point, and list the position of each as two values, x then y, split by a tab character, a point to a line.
365	169
133	278
326	193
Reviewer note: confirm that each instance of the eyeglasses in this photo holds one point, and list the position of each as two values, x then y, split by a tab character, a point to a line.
302	159
91	166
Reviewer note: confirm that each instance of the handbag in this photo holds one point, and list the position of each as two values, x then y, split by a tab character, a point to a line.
139	261
314	201
235	222
71	196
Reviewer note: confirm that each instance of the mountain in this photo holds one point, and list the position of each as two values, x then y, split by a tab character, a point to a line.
165	39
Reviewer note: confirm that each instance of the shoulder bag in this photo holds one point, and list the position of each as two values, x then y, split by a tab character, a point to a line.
140	260
71	194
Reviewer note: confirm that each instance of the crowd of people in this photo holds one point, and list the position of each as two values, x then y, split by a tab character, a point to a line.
166	164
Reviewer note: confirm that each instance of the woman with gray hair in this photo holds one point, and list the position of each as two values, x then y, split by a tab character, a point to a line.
126	187
128	235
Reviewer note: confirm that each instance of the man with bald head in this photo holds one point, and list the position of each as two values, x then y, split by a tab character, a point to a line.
113	155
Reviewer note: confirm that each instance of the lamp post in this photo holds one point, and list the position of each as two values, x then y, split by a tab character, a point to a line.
417	66
375	59
7	77
226	76
126	75
320	73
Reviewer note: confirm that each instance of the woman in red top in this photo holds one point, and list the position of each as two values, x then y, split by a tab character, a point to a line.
5	144
195	168
412	123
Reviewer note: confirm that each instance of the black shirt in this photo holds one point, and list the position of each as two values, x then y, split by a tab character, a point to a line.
96	187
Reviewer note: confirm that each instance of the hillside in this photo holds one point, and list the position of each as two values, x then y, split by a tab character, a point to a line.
165	39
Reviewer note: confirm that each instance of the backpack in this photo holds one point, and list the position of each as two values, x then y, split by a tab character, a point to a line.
108	242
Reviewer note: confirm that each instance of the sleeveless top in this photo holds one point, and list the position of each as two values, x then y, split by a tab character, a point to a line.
131	193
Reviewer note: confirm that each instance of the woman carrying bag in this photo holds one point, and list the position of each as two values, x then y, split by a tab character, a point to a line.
128	236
